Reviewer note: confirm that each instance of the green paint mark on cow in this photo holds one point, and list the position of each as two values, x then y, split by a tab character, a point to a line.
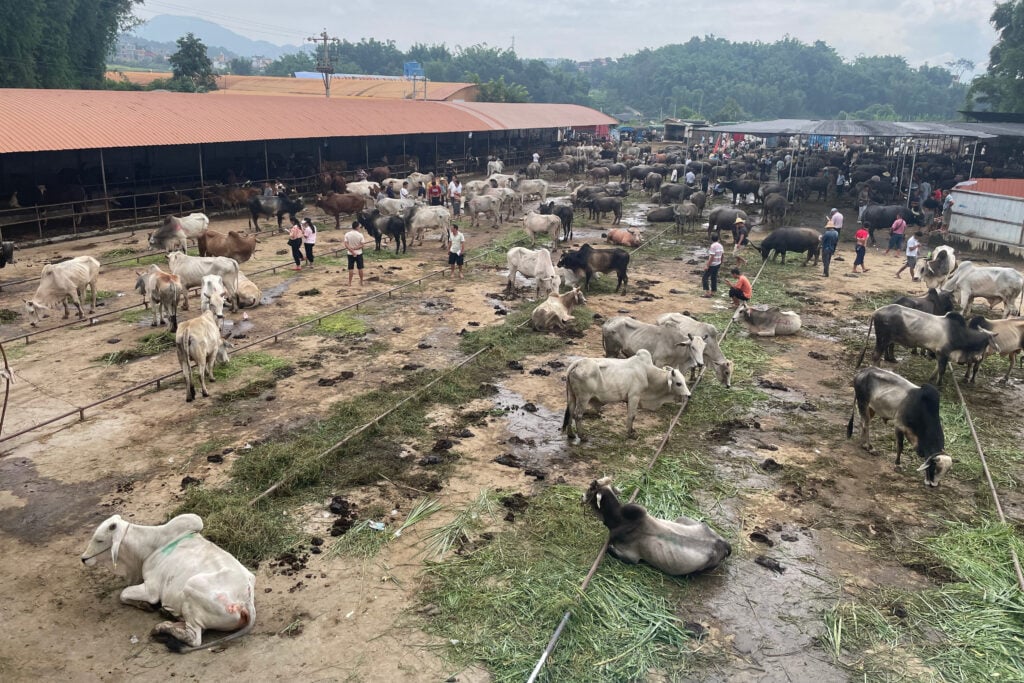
169	548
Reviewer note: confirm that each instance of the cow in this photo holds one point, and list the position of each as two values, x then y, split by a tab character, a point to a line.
502	180
948	337
765	321
211	295
249	295
379	173
877	216
677	548
533	170
335	204
791	239
740	187
495	166
671	193
713	355
192	269
420	217
173	568
527	188
775	207
366	189
723	218
623	336
652	182
508	199
175	232
1008	340
536	264
934	302
914	412
601	205
599	174
685	214
994	284
661	214
277	205
234	245
199	340
586	261
555	312
624	238
935	270
164	290
59	282
537	224
635	381
486	204
377	225
564	212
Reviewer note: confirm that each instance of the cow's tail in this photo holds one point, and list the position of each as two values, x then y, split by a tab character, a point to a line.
248	612
236	301
853	413
569	402
863	352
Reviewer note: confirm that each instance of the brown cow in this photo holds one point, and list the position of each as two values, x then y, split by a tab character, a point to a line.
379	173
625	238
335	204
234	245
238	197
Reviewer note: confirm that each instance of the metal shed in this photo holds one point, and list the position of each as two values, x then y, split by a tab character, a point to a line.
989	214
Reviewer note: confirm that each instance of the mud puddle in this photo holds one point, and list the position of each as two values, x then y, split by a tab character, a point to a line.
271	293
535	440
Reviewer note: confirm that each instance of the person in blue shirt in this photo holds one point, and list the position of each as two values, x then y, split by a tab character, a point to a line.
829	241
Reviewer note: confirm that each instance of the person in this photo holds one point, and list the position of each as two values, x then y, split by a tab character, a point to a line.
837	219
443	182
675	176
829	240
780	167
353	240
536	157
947	209
295	242
457	250
739	291
434	193
861	248
449	170
268	189
308	239
913	247
390	190
710	276
840	184
896	235
690	178
361	174
742	240
455	195
421	191
404	192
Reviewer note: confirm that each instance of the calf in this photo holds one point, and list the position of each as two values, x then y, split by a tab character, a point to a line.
249	294
635	381
914	411
1007	340
59	282
587	261
199	340
536	264
555	312
765	321
677	548
164	290
623	336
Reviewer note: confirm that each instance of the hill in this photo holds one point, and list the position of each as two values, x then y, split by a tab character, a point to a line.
166	29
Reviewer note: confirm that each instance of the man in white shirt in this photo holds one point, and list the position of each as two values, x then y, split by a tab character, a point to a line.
455	195
710	276
536	157
837	222
690	178
404	192
457	251
354	244
913	248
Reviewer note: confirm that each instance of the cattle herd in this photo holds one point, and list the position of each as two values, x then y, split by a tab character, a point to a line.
645	363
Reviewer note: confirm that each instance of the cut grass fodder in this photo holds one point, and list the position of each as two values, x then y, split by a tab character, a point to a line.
339	325
246	362
148	345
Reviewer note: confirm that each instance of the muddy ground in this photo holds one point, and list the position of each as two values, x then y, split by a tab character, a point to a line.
820	511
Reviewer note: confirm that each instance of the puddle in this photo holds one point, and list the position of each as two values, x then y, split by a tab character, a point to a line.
271	293
536	437
241	327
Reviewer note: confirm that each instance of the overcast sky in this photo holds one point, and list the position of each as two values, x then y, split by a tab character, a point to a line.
932	31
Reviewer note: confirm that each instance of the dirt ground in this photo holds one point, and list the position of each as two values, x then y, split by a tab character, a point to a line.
338	619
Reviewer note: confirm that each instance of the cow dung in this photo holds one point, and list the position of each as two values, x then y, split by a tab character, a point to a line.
341	506
509	460
443	445
428	460
515	365
817	356
769	563
540	371
424	345
411	366
516	502
190	481
308	292
473	323
537	474
771	465
772	384
759	537
464	433
215	458
530	407
115	340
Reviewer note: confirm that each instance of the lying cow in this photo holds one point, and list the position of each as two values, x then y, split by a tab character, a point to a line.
199	340
994	284
948	337
713	355
234	245
767	321
586	261
555	312
536	264
635	381
164	291
173	568
914	411
1007	340
623	238
59	282
935	270
623	336
677	548
249	294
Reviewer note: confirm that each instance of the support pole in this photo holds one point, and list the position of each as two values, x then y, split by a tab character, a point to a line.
266	162
913	166
106	195
973	155
202	181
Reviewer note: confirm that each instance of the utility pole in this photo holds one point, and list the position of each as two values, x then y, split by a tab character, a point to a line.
323	58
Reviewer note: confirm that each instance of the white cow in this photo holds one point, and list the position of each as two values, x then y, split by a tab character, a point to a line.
623	336
713	355
538	224
59	282
502	179
555	312
199	340
176	232
164	291
475	187
363	189
211	295
992	283
764	321
508	199
635	381
192	269
249	294
528	188
171	566
536	264
495	166
421	217
486	204
393	207
935	270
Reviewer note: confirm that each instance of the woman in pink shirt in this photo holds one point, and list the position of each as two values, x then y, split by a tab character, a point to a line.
896	235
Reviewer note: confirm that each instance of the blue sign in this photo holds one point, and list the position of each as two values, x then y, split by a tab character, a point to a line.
413	70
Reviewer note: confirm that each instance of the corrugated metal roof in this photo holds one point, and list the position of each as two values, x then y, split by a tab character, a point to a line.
1014	130
395	89
39	120
847	128
1006	187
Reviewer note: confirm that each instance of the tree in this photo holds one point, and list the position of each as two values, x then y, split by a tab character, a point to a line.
192	68
731	111
1001	88
287	65
240	66
500	91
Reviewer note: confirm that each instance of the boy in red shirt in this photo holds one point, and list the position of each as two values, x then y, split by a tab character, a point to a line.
739	291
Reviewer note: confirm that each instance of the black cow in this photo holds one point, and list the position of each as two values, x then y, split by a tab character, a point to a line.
377	225
883	216
914	412
277	205
723	218
603	204
564	213
741	186
672	193
946	336
792	239
587	260
934	302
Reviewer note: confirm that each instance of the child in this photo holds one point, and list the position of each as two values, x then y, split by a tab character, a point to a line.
740	291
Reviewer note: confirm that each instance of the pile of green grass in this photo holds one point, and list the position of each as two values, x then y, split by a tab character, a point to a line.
148	345
246	362
339	325
120	252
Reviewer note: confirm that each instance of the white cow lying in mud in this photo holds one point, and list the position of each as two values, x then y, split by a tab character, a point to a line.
172	567
678	548
765	321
